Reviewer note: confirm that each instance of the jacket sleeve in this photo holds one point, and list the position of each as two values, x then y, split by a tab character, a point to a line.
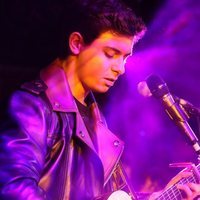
23	148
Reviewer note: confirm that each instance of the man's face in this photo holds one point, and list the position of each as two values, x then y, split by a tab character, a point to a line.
102	62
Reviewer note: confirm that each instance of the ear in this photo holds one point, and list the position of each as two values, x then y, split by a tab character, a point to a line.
75	42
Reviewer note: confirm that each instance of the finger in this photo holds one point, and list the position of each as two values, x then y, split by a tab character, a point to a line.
194	187
184	174
155	195
185	188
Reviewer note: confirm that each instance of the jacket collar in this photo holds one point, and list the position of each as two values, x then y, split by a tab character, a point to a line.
58	90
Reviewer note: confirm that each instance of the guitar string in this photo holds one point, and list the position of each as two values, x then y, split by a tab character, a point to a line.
173	195
174	191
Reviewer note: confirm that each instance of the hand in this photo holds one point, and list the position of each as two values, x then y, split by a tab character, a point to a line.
155	195
191	190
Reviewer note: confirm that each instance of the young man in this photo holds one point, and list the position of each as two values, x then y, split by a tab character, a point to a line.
57	146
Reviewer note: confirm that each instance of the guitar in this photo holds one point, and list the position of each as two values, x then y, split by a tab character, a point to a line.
171	193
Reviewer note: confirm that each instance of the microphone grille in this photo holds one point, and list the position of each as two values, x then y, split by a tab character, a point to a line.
143	89
157	86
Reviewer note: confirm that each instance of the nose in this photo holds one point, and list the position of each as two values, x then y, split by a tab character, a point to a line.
118	67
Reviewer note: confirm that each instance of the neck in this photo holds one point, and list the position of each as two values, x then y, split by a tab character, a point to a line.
77	89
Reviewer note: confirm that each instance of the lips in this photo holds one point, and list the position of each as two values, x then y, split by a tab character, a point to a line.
110	81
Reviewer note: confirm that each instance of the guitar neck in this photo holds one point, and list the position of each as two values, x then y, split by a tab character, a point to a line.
173	193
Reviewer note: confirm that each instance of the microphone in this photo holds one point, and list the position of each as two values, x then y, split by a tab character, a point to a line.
155	86
188	108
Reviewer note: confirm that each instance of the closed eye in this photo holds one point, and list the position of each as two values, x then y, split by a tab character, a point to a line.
109	55
115	53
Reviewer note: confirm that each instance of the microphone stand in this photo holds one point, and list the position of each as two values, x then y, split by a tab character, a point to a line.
189	110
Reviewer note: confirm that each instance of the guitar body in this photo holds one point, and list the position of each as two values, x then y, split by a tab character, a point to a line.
119	195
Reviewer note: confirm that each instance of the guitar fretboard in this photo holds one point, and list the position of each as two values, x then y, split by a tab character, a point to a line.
173	193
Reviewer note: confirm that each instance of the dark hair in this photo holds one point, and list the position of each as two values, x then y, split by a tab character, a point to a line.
93	17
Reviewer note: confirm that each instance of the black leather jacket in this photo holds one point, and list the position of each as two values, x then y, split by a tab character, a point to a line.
47	153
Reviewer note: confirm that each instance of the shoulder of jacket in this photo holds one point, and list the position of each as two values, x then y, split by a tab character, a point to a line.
35	87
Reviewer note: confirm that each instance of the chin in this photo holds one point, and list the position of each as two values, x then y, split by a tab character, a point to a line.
101	90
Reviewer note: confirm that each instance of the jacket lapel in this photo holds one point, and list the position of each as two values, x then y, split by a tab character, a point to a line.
109	146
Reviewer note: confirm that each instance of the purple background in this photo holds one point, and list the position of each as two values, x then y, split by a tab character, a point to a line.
170	48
